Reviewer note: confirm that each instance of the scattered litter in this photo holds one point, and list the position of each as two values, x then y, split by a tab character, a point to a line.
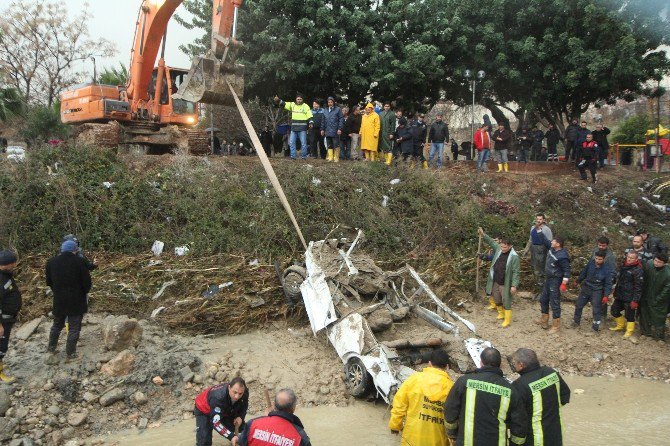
613	202
154	262
16	153
254	262
181	250
635	205
578	391
156	312
157	248
226	285
663	225
211	291
395	181
359	190
661	207
108	184
605	230
628	220
266	192
589	188
316	181
656	196
254	302
162	289
385	201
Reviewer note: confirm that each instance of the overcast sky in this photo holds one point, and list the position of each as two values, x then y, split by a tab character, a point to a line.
115	21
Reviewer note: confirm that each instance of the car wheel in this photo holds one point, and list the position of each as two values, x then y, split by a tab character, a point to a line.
293	277
358	380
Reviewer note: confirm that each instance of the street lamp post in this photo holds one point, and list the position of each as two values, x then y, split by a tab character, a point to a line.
473	83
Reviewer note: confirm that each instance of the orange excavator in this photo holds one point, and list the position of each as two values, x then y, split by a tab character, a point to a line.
157	109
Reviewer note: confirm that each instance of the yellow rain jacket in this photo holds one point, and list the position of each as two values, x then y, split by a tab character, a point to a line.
370	130
420	401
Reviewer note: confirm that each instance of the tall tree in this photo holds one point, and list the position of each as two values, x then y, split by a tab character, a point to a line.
200	18
39	45
114	75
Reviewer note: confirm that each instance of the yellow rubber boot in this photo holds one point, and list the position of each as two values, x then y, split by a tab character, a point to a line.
329	157
500	167
506	167
425	164
630	328
492	304
508	319
389	159
3	377
620	323
501	312
336	155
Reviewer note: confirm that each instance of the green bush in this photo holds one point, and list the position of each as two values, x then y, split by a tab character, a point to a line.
633	129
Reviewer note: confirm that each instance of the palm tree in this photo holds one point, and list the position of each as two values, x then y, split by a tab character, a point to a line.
10	103
114	76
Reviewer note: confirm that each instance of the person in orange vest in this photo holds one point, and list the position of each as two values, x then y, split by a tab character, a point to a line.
221	408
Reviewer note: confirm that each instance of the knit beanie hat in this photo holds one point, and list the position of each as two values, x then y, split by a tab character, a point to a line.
7	257
69	246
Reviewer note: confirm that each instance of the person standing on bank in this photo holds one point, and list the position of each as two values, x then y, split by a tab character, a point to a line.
536	247
301	119
503	277
557	275
502	138
70	280
10	305
543	393
627	294
596	279
387	122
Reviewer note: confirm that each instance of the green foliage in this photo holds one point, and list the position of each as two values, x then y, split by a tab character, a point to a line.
114	76
201	18
10	103
633	129
42	123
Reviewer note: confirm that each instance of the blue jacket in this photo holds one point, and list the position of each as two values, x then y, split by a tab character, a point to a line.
596	278
318	118
333	120
558	261
581	136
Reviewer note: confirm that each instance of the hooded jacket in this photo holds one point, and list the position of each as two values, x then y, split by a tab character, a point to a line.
370	126
387	123
629	283
512	271
420	401
481	407
333	121
655	299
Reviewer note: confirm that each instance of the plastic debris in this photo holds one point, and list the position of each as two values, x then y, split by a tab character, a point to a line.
156	312
16	153
107	184
181	250
157	248
628	220
254	262
211	291
589	188
385	201
395	181
316	181
226	285
359	190
613	202
635	205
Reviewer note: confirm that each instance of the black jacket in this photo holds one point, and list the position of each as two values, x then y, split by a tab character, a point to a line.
553	137
418	131
403	137
10	296
558	261
352	124
654	245
506	138
485	425
571	132
286	427
216	400
600	136
439	132
70	281
266	137
553	393
629	283
525	139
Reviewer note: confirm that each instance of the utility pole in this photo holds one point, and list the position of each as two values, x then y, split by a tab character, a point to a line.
659	152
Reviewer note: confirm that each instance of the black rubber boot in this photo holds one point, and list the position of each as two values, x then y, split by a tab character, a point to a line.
53	343
71	349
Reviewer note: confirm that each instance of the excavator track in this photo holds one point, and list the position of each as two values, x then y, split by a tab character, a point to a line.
198	141
107	135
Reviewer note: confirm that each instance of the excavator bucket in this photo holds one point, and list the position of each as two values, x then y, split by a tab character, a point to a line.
206	82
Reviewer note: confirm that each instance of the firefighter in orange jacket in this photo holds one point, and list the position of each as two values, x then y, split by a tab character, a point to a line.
420	402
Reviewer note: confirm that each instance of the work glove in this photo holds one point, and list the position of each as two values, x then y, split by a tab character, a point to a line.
564	287
633	305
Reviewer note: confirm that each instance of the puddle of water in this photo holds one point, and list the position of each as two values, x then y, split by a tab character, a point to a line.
610	411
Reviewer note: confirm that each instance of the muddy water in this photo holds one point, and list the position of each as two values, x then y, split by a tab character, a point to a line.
608	412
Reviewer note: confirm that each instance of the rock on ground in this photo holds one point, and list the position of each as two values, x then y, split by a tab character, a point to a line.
5	402
77	417
120	333
380	320
7	428
27	329
112	397
122	364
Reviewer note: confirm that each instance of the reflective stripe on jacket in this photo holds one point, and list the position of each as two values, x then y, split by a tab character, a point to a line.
301	115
